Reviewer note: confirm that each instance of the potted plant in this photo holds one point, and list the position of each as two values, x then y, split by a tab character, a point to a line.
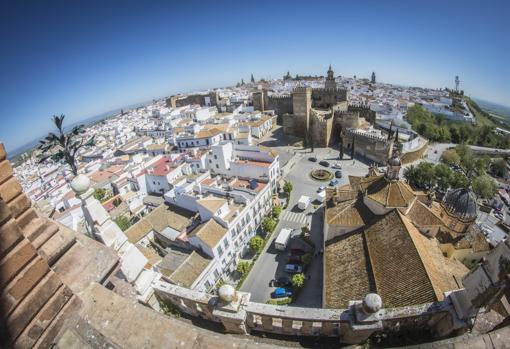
63	148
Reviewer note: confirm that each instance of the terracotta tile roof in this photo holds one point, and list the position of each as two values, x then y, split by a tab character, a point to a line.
254	163
209	232
208	133
161	217
162	167
354	269
349	213
212	203
189	270
346	275
422	216
389	193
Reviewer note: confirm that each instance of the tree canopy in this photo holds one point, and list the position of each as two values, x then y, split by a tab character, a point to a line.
437	128
256	244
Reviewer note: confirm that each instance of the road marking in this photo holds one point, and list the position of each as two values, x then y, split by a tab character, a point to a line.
300	218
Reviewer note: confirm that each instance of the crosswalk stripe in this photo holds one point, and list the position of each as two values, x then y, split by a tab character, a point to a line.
299	218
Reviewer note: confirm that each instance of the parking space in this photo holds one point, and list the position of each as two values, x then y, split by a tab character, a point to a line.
271	263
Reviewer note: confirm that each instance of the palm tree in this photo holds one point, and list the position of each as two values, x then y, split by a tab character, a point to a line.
63	147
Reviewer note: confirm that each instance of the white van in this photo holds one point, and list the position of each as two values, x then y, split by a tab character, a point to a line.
281	240
303	202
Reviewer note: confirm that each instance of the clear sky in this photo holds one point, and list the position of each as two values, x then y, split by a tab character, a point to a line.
83	58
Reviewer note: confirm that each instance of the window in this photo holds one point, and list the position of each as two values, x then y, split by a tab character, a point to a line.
208	285
217	166
154	182
216	274
225	243
219	250
215	157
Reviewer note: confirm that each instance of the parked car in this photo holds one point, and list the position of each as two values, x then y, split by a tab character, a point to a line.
337	165
295	260
338	174
312	159
324	163
321	188
333	182
281	282
281	292
293	268
297	252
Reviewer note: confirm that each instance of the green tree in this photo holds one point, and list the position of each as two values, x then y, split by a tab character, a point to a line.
459	180
243	267
268	224
298	280
277	210
450	157
63	147
256	244
287	187
123	222
444	176
421	176
100	194
484	187
499	166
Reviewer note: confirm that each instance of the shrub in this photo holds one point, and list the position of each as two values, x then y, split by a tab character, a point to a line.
123	222
282	301
277	210
287	187
450	157
298	280
269	224
256	244
100	194
243	267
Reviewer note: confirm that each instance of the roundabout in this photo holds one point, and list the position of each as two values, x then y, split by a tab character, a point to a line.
321	175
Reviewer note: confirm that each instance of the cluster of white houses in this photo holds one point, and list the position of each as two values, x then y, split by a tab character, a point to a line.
188	177
215	200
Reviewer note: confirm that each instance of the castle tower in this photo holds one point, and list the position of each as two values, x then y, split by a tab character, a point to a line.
258	100
301	105
330	80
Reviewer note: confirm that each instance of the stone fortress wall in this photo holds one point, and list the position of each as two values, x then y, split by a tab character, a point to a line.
209	99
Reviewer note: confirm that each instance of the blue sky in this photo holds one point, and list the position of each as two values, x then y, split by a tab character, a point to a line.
83	58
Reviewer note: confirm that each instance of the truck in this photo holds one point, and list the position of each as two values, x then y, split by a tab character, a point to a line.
281	240
303	202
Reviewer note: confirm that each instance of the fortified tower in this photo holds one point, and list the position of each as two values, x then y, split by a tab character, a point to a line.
301	105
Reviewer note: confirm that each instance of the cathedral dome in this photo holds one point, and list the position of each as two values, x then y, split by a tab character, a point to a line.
461	203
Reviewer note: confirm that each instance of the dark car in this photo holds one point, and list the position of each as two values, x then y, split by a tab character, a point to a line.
312	159
295	259
338	174
324	163
297	252
284	282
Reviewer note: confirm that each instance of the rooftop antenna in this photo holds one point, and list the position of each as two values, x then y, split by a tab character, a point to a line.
457	82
